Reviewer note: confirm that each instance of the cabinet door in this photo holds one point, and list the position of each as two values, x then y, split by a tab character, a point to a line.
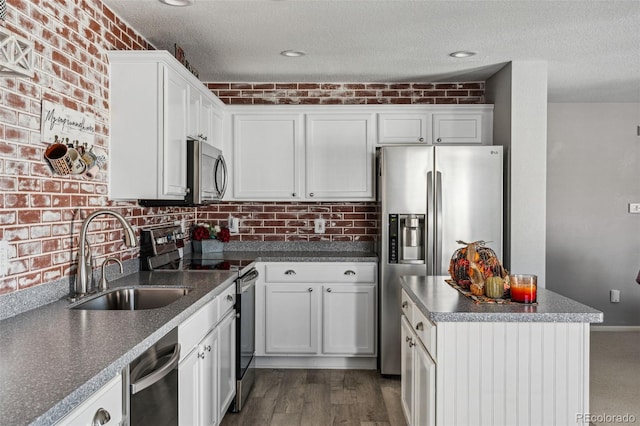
226	362
406	370
193	114
209	377
106	399
216	132
348	320
424	387
292	318
174	176
458	128
205	128
266	157
403	128
339	156
189	382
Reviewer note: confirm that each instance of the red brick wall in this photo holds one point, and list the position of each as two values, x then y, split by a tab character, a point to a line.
40	213
349	93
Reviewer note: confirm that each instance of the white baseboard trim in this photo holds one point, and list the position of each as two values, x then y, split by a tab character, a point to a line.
316	362
615	328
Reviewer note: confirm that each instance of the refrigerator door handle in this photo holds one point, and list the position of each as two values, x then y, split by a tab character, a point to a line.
439	225
430	222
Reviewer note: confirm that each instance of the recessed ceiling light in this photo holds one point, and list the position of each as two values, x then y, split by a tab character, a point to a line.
178	2
292	53
462	54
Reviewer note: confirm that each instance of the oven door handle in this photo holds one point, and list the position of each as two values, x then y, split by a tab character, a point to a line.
158	374
247	280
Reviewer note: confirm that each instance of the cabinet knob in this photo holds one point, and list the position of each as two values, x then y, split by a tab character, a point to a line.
405	304
208	348
229	298
420	326
411	344
439	140
329	290
311	194
293	194
408	339
349	272
310	289
290	272
420	139
102	417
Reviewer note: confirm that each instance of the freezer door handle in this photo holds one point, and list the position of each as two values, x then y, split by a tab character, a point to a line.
439	224
429	234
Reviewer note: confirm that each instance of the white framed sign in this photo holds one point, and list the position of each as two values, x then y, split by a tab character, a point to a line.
58	120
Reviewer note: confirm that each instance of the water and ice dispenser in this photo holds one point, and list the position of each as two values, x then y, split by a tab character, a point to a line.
406	238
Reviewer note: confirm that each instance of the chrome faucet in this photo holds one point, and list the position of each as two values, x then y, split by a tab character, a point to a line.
84	252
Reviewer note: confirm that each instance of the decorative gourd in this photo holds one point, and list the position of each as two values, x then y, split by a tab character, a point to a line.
494	287
473	264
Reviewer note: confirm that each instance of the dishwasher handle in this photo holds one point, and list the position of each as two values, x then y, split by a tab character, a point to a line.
158	374
248	280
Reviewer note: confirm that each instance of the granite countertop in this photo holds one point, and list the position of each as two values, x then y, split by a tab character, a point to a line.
289	256
52	358
440	302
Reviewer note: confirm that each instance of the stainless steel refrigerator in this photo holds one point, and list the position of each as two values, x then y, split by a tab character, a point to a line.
429	198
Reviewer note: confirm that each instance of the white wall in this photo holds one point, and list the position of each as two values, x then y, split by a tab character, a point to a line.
519	93
593	243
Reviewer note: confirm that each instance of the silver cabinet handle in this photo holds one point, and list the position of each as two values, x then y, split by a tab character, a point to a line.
405	304
407	339
102	417
201	355
439	139
310	289
420	326
311	194
420	139
229	297
290	272
349	272
208	348
329	290
411	344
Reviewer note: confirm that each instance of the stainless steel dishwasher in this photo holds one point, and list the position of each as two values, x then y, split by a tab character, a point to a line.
153	384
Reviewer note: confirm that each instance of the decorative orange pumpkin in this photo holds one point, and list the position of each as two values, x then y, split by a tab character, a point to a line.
473	264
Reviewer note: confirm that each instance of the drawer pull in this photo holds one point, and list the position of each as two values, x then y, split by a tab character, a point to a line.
420	326
349	272
411	344
102	417
290	272
208	348
328	290
229	298
310	289
405	304
408	339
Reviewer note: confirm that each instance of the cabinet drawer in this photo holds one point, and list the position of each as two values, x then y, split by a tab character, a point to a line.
321	272
108	398
407	306
226	301
191	331
425	330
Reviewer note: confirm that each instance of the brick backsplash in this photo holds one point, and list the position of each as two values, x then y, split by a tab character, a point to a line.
41	213
349	93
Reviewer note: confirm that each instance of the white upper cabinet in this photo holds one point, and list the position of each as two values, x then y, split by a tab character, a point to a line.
156	104
266	156
436	124
339	156
403	127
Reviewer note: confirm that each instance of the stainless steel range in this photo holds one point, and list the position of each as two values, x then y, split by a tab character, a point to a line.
160	251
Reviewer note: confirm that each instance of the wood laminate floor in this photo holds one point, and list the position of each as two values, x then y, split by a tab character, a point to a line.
320	397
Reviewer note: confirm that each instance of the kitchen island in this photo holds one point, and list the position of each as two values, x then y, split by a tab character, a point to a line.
495	364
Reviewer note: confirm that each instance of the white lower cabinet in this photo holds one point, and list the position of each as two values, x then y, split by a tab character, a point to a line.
206	374
106	403
316	314
417	367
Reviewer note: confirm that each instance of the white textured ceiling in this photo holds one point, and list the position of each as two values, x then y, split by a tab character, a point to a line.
592	47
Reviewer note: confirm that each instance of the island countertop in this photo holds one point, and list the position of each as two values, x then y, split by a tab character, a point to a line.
440	302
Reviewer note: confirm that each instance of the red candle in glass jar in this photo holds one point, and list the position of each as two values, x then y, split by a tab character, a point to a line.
523	288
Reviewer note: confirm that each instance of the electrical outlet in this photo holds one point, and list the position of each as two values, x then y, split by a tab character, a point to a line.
233	224
614	296
319	226
4	258
634	207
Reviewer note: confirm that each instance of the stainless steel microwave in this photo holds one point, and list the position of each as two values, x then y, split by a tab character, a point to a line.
206	173
207	177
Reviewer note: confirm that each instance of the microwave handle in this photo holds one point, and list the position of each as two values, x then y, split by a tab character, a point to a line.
219	162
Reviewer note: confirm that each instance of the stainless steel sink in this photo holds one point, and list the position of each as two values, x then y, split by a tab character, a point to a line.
133	299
